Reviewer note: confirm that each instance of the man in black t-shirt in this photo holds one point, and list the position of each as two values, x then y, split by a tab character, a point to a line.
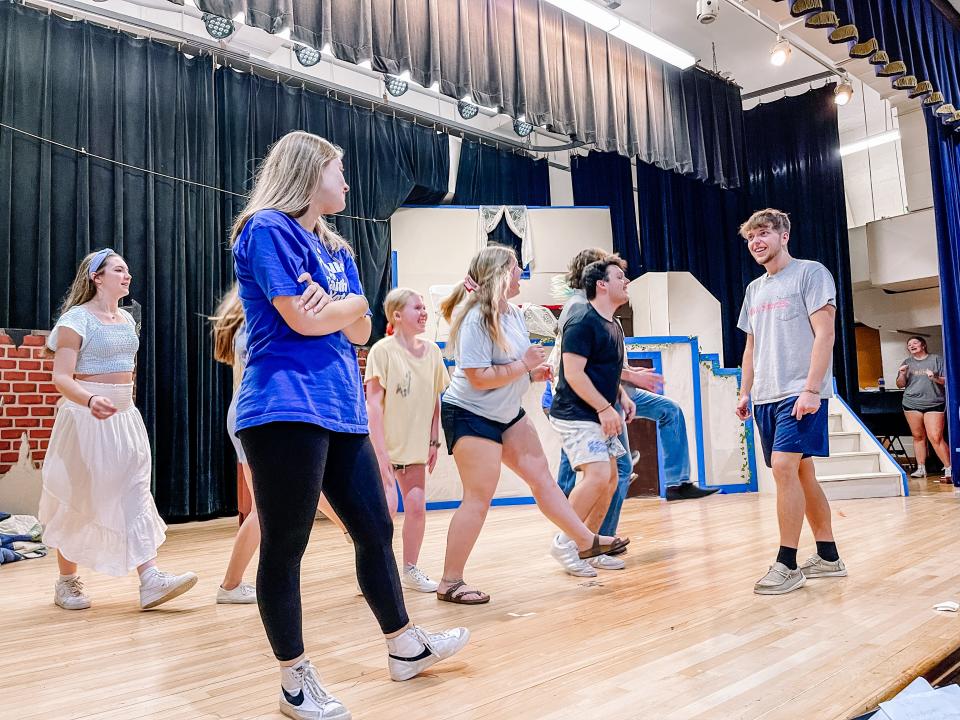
583	409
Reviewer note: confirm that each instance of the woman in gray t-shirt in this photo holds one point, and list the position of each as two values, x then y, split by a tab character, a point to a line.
924	398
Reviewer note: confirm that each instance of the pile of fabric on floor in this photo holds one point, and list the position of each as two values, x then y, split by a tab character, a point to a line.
20	537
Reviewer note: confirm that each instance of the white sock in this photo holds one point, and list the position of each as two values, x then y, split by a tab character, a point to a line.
407	644
563	538
289	679
148	574
67	578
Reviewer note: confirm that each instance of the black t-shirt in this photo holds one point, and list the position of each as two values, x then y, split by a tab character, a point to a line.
600	341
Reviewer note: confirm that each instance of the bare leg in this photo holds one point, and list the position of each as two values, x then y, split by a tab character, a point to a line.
412	481
523	453
817	508
599	511
790	497
478	462
933	424
917	429
66	567
330	514
246	542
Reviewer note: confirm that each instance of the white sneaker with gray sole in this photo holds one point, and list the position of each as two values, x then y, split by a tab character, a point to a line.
817	567
605	562
566	554
779	580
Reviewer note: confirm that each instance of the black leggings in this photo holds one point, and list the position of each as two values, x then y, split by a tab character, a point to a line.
291	463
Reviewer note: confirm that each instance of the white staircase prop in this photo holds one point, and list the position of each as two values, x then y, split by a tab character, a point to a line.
858	466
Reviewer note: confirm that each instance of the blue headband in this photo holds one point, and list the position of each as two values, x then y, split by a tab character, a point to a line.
98	259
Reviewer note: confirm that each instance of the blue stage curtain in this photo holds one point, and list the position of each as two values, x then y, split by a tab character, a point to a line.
607	179
793	164
915	32
945	173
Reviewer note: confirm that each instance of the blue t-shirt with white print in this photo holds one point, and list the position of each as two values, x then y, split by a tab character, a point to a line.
292	377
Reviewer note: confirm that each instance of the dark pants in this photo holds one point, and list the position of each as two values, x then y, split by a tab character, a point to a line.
291	463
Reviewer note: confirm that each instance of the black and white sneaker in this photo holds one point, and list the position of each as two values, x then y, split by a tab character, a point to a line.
311	701
415	650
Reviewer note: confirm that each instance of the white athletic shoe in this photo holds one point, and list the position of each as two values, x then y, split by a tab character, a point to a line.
948	472
312	701
405	661
157	587
69	594
605	562
413	578
566	554
780	580
242	594
920	472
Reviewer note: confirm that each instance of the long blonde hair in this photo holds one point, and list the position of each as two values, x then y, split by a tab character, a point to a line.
287	179
84	289
395	301
490	270
226	323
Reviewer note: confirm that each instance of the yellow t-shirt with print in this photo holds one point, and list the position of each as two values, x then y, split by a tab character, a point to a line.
411	386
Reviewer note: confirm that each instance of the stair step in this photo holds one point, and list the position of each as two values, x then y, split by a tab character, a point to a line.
861	485
836	422
838	463
842	442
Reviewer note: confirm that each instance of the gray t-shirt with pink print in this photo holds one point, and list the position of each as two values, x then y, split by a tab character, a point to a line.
776	311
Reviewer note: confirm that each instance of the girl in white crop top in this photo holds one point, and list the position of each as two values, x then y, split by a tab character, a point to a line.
96	506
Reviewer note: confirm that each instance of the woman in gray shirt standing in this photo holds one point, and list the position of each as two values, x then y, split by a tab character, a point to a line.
924	403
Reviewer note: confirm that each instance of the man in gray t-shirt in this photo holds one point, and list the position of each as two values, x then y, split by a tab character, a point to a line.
788	315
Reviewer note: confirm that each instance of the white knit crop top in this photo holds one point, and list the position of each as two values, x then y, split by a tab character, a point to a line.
104	347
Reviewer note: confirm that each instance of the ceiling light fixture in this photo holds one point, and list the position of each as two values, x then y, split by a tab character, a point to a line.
869	142
219	28
843	91
395	85
780	52
522	127
627	31
307	56
467	110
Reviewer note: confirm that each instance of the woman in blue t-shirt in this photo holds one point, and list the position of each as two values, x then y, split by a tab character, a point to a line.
484	423
301	415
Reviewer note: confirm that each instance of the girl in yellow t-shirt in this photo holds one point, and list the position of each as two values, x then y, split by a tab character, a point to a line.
404	379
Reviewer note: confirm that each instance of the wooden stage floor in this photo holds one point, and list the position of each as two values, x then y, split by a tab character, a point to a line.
677	635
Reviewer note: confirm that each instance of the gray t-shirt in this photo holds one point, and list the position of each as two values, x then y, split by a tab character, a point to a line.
776	311
476	349
922	393
578	298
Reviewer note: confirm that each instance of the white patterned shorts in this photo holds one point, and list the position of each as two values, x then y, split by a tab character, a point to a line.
584	442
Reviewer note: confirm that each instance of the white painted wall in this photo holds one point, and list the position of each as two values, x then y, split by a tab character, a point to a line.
916	159
902	251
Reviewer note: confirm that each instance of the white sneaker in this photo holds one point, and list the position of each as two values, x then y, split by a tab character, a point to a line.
817	567
69	594
413	578
948	472
780	580
242	594
920	472
566	554
605	562
405	662
312	702
157	587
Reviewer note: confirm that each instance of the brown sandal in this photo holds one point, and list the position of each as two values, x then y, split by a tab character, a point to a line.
451	596
597	549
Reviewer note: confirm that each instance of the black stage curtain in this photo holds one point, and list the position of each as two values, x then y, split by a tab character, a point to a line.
794	165
607	179
490	176
147	105
528	58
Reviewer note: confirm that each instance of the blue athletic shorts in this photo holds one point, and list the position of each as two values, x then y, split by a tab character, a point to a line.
781	432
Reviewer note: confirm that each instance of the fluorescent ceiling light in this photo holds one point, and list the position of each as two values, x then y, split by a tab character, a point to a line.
627	31
653	44
869	142
589	13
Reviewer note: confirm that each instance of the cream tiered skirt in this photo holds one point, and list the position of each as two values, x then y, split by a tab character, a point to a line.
96	506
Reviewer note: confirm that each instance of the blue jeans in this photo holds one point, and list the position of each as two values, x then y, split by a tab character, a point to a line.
672	429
